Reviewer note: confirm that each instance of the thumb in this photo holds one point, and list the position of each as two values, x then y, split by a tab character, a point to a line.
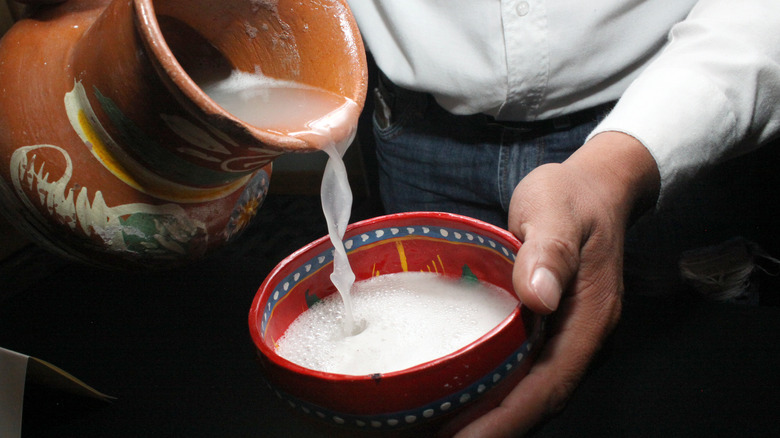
544	267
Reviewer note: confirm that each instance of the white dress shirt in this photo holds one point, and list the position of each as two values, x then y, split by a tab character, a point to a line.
694	78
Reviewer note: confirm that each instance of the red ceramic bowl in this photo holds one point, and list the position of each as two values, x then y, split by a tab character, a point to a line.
446	392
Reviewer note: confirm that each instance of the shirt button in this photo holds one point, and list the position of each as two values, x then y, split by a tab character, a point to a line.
523	8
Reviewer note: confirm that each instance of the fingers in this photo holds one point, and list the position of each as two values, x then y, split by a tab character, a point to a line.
506	420
554	376
538	395
585	315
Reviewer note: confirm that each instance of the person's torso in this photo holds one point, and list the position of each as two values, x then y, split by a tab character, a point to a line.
516	59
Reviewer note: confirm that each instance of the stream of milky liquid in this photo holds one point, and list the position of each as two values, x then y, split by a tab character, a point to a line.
414	317
311	114
336	205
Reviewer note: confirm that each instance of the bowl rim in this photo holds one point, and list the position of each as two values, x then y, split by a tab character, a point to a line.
255	313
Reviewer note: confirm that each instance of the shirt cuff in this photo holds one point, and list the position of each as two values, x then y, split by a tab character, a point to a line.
681	117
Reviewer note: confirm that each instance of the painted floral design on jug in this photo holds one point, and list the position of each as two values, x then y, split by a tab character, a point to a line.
111	154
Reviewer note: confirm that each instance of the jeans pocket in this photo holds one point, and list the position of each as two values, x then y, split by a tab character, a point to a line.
395	108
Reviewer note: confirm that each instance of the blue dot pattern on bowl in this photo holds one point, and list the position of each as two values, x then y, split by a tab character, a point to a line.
430	411
287	284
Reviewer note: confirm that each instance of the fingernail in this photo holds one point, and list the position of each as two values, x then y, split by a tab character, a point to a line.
546	287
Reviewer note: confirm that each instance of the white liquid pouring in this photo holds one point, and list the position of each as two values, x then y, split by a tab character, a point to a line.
311	114
337	205
403	319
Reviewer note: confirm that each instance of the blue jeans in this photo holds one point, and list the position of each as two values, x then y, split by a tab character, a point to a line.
431	160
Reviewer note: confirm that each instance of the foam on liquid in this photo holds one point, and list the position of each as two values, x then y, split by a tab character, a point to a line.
412	318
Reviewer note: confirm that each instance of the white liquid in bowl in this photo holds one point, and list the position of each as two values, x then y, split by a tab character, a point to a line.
406	318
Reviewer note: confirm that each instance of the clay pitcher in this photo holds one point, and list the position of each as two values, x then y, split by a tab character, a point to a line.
109	151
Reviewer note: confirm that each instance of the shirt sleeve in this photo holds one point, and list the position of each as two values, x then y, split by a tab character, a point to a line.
713	93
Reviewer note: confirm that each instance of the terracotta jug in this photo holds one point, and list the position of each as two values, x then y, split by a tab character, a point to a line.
109	151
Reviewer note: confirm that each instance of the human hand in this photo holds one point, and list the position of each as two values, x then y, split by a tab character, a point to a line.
571	218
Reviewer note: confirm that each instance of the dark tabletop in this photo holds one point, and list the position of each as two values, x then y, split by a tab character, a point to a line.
173	347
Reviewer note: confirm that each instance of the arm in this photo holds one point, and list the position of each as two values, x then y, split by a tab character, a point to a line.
710	95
